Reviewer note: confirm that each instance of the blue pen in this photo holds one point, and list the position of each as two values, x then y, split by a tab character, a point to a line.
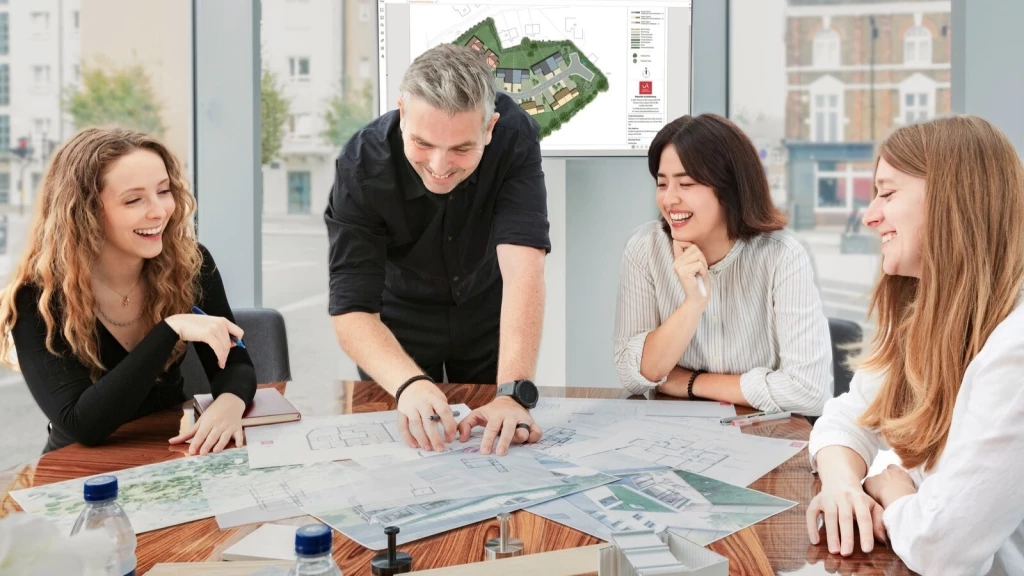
238	341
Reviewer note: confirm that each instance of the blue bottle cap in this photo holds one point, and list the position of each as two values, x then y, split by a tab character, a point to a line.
313	539
100	488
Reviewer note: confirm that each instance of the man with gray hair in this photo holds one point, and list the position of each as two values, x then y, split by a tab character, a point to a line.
438	232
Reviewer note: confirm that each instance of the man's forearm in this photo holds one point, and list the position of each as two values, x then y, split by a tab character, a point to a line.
372	346
522	322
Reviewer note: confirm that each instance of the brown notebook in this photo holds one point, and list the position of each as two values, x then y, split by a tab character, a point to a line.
268	407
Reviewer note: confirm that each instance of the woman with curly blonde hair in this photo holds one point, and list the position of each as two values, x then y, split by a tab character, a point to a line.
943	381
98	307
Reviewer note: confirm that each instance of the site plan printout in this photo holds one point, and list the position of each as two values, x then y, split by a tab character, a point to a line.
328	438
154	496
598	76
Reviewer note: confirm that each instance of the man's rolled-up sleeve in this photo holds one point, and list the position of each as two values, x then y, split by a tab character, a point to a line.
358	246
521	209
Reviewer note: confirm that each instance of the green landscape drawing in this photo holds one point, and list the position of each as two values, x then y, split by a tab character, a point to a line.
153	496
552	80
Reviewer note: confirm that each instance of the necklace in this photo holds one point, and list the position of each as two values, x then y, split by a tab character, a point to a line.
124	298
115	322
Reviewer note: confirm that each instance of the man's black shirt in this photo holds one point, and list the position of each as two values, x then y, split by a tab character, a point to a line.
388	232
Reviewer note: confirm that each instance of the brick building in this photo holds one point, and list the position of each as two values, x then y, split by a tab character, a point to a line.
856	70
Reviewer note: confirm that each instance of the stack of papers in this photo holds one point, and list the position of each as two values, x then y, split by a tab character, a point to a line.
602	466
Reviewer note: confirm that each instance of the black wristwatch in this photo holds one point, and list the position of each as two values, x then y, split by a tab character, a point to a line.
522	391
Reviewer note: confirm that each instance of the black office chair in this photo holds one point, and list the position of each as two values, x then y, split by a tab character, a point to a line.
843	333
266	341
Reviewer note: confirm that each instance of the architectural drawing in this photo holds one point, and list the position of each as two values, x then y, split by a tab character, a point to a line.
675	452
550	78
632	446
329	438
364	524
154	496
451	475
697	507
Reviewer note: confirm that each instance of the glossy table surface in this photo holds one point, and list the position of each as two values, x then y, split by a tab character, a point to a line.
778	545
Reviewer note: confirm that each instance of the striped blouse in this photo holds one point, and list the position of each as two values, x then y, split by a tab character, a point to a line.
763	321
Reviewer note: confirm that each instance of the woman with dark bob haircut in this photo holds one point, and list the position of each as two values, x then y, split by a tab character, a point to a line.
716	301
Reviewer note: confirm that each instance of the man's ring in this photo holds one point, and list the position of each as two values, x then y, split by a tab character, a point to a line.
524	426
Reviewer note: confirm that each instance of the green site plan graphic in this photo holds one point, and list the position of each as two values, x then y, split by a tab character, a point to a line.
550	80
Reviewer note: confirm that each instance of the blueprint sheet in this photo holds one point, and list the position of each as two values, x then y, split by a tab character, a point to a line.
328	438
635	446
599	412
278	493
568	421
451	475
366	525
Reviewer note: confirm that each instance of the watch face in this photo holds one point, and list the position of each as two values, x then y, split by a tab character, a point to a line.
527	392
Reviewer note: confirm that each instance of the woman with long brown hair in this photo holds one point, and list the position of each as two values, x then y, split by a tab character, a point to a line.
98	309
943	381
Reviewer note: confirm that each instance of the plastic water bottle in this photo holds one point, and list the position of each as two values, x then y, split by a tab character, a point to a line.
313	549
102	512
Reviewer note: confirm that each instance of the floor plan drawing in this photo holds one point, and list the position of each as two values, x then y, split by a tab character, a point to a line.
640	445
483	463
675	452
449	475
330	438
277	493
274	496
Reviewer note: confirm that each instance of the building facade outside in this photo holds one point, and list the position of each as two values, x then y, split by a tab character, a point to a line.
40	42
321	52
855	71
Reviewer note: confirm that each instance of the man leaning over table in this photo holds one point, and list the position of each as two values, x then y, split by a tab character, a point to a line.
438	231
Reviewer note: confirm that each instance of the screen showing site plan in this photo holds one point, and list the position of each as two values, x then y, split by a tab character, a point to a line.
598	76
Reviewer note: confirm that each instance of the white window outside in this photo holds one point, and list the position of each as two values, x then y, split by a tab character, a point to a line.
825	51
40	24
827	110
917	99
298	68
917	46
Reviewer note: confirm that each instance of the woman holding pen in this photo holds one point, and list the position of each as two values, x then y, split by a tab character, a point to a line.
715	300
98	309
942	382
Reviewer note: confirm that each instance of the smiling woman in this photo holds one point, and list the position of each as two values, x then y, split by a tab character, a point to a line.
755	333
98	306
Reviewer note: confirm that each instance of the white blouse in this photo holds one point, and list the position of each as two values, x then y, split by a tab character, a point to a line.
763	321
967	516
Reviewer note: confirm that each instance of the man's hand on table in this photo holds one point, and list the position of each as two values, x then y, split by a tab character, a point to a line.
417	403
500	419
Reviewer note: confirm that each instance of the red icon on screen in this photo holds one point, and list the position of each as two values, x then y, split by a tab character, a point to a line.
646	87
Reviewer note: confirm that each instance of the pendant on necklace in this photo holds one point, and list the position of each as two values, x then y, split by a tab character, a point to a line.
124	303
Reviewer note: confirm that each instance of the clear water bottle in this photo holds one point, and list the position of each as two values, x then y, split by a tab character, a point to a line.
102	512
313	549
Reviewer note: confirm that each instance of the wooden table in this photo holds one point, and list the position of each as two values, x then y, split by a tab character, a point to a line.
778	545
